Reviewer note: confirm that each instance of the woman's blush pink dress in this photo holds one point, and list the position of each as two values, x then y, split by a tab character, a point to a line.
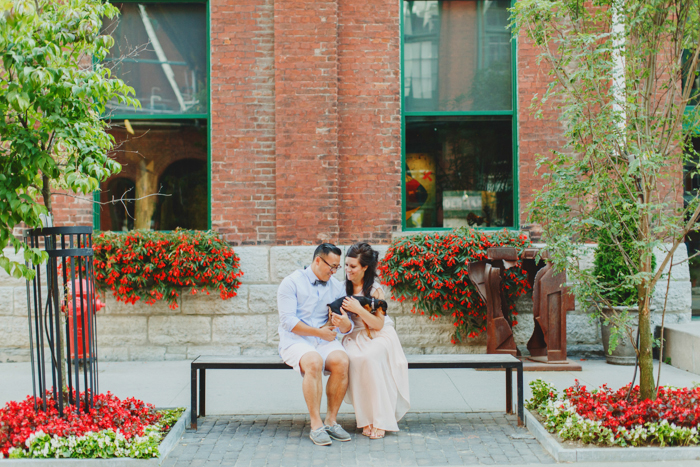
378	376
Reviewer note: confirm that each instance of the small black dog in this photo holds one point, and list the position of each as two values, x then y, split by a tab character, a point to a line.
368	303
373	305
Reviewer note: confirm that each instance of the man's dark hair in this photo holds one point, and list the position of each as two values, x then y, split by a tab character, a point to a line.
324	249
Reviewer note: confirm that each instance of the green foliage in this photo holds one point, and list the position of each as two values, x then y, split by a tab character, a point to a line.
616	263
102	444
616	82
542	393
51	99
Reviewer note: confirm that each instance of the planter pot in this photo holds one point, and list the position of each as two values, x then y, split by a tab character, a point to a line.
624	353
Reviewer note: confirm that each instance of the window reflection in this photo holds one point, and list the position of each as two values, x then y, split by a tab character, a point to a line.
160	50
459	171
456	56
163	182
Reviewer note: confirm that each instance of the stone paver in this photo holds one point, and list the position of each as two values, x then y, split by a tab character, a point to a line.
430	439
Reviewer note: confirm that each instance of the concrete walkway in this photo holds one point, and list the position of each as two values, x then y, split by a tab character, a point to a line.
456	416
167	384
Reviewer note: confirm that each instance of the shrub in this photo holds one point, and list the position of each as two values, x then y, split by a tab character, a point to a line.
614	269
156	265
431	270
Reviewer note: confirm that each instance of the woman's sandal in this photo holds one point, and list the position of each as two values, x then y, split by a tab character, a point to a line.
377	434
367	431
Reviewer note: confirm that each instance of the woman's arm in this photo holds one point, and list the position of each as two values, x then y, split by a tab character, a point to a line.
375	322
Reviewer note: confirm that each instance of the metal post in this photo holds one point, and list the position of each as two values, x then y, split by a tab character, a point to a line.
509	390
193	398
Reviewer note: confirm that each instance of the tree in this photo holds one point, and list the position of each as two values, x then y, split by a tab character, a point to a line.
51	99
621	75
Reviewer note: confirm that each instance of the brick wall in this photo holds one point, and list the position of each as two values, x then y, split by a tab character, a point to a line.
369	137
306	122
535	136
243	121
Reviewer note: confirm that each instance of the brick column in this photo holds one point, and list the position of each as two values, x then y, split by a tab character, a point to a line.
306	121
369	135
242	121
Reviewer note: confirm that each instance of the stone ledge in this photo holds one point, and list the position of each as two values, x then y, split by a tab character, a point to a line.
164	449
606	454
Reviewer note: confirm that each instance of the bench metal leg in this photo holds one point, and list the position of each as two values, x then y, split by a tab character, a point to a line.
193	399
202	392
521	409
509	390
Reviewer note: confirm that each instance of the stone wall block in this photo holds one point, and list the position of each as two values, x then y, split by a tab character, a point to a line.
680	271
12	354
7	301
112	354
14	331
421	331
194	351
679	297
523	330
263	299
19	298
212	304
240	330
260	351
5	279
255	263
580	329
121	331
273	336
178	330
286	259
114	307
147	353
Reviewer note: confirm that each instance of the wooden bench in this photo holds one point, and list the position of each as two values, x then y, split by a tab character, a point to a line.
201	364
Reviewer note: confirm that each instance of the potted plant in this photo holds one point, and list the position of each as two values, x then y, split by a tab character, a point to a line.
616	263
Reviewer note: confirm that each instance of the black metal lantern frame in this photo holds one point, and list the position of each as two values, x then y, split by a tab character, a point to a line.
70	289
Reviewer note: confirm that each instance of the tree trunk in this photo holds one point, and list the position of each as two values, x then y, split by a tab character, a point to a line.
647	388
46	192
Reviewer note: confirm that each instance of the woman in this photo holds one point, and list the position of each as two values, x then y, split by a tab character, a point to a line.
378	375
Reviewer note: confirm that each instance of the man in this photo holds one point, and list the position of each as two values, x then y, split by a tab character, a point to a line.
308	346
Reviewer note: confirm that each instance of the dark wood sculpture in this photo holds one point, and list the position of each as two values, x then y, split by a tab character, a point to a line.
551	301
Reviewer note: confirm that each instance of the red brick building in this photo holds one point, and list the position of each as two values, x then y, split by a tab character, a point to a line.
294	122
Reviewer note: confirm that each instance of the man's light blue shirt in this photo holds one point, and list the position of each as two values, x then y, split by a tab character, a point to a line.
299	300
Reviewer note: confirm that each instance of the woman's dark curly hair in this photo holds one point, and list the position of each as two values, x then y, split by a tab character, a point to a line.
366	256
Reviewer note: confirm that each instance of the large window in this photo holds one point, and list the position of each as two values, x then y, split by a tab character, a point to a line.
161	50
458	114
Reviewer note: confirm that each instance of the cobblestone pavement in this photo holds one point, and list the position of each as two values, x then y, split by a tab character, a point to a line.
430	439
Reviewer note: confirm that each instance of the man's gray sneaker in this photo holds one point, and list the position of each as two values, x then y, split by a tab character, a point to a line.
320	437
337	432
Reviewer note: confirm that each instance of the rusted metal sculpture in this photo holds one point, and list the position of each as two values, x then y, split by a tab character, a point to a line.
551	301
499	332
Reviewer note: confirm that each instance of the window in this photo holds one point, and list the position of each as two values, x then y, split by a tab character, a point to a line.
458	114
161	50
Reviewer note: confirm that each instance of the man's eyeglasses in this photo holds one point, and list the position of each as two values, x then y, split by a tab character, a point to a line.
333	268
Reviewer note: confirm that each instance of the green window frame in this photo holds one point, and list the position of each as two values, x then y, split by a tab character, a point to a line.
143	117
512	114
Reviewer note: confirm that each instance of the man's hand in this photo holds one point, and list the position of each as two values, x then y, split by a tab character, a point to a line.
326	333
342	321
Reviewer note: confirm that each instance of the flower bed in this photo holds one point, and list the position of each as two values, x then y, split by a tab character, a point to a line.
432	271
606	417
112	428
151	266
